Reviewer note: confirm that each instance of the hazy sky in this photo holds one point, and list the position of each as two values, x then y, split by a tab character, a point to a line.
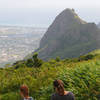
42	12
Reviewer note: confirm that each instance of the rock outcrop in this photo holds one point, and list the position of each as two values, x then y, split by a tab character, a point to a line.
99	25
69	36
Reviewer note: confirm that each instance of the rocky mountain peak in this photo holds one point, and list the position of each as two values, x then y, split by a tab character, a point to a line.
69	36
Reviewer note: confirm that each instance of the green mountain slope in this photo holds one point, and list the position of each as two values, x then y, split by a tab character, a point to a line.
69	36
80	75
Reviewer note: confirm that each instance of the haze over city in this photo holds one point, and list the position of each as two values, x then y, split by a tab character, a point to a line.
41	13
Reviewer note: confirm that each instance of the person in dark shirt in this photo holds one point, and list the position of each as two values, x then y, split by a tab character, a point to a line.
24	92
60	93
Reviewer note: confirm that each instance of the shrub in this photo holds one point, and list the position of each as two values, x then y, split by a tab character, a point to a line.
30	63
86	57
37	62
57	59
20	65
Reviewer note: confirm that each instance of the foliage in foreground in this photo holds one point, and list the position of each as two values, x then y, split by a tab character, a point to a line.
82	77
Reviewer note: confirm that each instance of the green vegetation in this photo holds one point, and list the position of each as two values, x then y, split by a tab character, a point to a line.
80	75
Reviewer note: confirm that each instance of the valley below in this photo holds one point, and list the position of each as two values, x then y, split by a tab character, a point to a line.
17	42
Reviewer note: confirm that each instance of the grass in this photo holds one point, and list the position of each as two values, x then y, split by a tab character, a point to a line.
80	77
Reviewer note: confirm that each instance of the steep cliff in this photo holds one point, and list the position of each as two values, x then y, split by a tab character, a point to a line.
69	36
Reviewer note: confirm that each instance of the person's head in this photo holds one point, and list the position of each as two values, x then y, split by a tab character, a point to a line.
59	87
24	91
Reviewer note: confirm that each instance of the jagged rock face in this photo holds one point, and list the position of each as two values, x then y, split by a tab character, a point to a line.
69	36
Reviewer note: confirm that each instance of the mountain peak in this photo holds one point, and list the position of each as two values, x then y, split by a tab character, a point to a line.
68	11
71	15
69	36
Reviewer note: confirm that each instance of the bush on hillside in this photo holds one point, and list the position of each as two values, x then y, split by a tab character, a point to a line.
17	62
20	65
86	57
30	63
57	59
37	62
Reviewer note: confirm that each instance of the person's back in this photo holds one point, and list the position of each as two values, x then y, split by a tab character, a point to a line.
30	98
68	96
60	93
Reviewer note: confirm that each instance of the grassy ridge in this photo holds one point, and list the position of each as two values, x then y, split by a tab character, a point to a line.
80	75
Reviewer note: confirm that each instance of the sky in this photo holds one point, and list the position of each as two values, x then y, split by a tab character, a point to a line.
41	13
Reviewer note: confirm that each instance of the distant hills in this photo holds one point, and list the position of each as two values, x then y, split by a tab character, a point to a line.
69	36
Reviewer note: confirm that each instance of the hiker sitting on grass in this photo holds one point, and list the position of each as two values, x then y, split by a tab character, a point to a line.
24	92
60	93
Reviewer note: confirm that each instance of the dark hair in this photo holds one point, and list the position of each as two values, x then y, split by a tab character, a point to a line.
24	89
60	86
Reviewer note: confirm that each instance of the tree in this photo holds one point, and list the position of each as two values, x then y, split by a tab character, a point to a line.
37	62
30	63
57	59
